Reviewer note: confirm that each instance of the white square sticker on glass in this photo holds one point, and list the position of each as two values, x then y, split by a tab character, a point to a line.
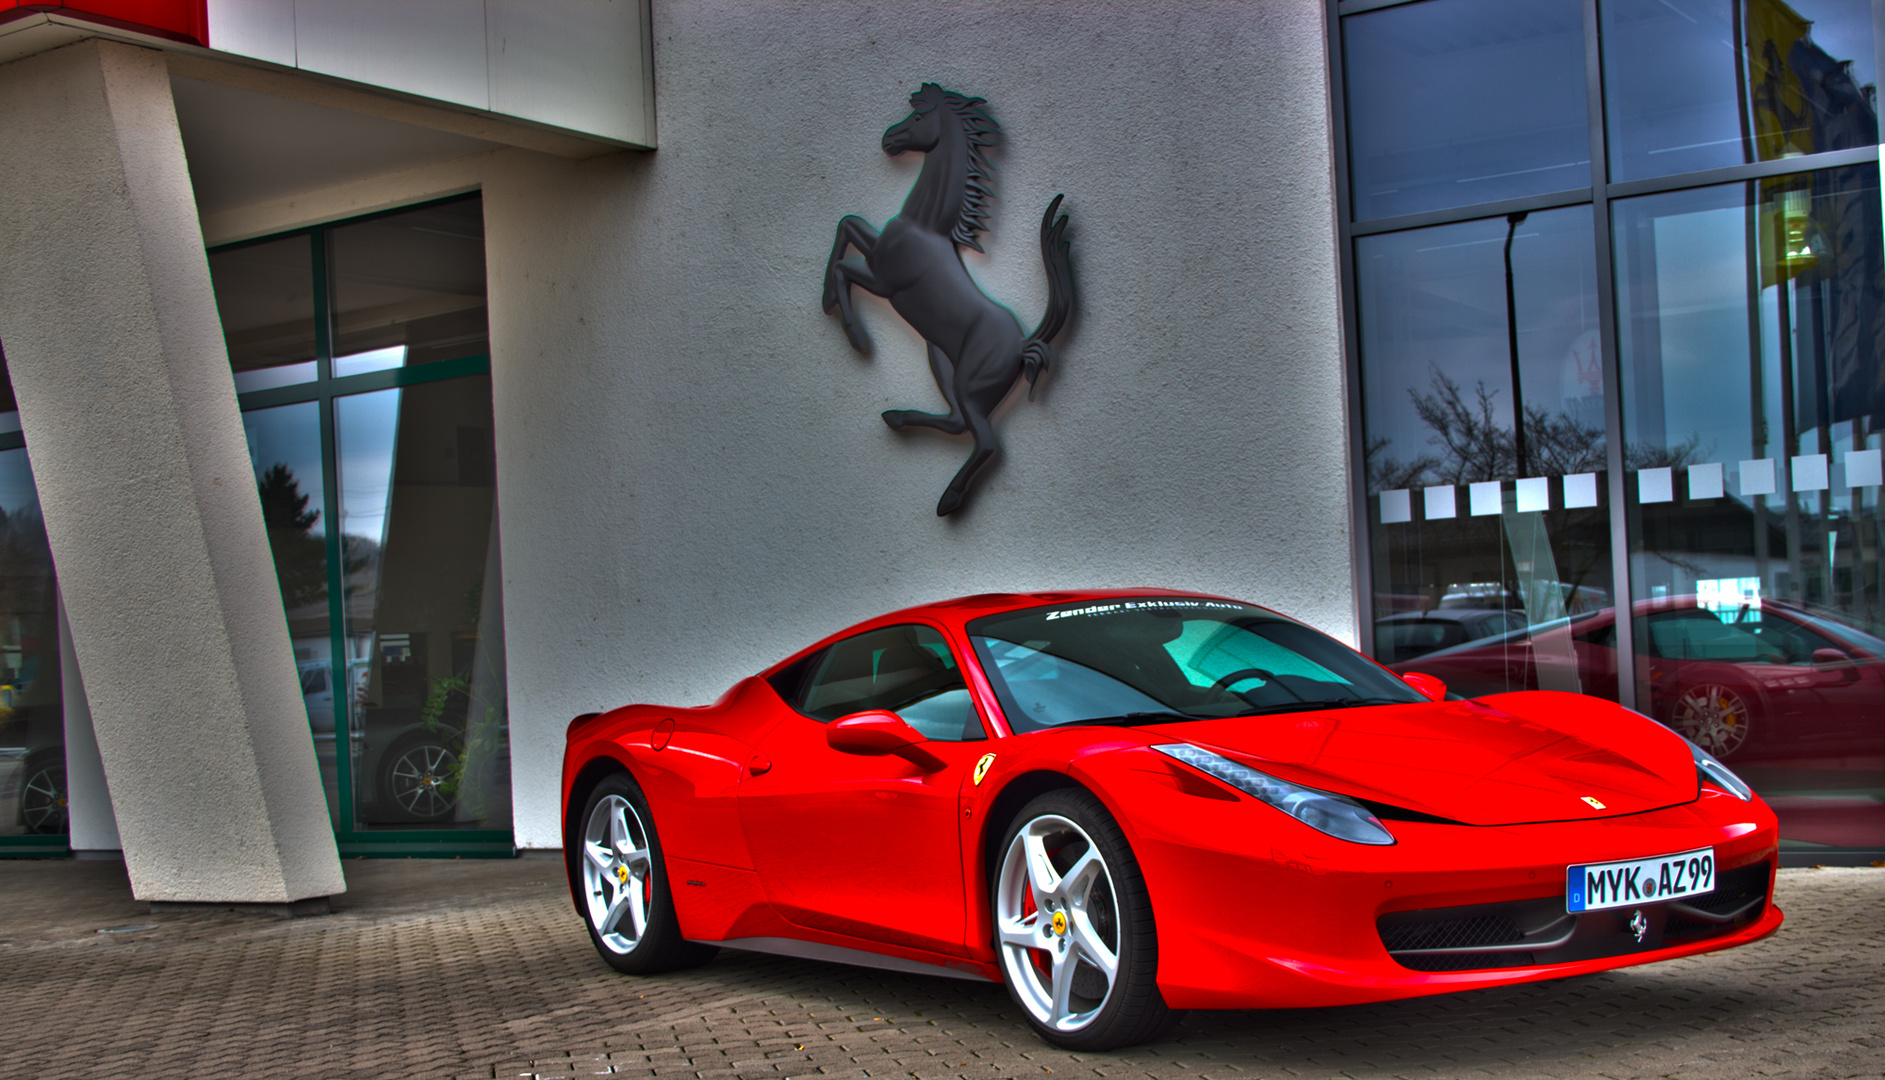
1705	481
1397	506
1441	502
1757	477
1656	485
1485	498
1809	472
1865	468
1534	494
1580	490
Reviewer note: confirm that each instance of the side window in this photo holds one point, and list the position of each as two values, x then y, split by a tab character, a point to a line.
1789	643
1689	635
907	670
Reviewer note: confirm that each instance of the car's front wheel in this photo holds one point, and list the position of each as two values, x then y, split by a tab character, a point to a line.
626	901
1713	717
1073	926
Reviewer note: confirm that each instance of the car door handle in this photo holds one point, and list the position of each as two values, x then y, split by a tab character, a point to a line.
759	765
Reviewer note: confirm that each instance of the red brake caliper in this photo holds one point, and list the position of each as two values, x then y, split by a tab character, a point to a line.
1043	963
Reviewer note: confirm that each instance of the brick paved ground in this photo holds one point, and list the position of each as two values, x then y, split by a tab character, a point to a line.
479	969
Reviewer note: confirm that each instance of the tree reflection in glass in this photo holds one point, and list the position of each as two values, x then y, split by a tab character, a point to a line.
1479	558
285	452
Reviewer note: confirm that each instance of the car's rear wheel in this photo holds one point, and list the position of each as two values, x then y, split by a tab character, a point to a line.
1713	717
626	902
42	801
1073	926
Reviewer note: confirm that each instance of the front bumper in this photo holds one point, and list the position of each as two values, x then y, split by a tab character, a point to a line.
1301	921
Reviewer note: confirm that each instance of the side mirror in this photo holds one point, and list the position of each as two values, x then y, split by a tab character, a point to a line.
874	731
1433	688
1836	661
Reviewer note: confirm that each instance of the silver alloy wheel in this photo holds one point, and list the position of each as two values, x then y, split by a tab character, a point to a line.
43	801
417	777
1057	919
616	866
1714	717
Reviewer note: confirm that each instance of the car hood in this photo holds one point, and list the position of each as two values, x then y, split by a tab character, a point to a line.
1505	759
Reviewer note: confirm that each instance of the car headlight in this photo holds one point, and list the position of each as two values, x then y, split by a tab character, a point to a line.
1340	817
1714	772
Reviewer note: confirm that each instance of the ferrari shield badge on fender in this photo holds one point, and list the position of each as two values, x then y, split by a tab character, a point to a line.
1594	804
981	768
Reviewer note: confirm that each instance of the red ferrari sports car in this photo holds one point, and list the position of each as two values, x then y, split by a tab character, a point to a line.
1128	803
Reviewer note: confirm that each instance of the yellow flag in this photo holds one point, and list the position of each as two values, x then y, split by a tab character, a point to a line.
1782	128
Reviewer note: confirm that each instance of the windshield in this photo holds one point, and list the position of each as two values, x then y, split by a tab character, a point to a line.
1153	659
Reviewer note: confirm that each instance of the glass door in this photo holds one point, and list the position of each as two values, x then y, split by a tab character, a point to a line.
364	378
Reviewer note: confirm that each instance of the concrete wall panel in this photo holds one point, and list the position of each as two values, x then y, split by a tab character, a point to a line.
432	48
693	474
263	29
575	64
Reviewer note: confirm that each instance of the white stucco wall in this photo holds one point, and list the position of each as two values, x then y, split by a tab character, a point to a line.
693	476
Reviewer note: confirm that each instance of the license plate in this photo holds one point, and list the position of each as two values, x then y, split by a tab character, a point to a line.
1595	886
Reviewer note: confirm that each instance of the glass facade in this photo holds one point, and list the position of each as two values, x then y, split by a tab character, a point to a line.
409	288
1704	84
378	485
32	715
265	296
1616	285
417	518
1464	102
290	475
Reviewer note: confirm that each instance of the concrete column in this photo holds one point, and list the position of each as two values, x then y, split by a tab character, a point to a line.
130	417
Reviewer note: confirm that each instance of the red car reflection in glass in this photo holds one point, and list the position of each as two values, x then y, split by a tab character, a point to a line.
1757	683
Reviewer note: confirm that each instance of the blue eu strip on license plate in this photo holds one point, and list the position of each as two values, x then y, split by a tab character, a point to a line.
1596	886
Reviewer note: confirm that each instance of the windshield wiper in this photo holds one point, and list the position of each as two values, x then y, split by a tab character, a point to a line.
1325	703
1131	719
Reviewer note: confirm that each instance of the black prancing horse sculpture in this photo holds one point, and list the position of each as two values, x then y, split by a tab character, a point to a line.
975	345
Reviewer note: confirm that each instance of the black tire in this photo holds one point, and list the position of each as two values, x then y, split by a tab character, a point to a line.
1088	911
415	774
604	879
